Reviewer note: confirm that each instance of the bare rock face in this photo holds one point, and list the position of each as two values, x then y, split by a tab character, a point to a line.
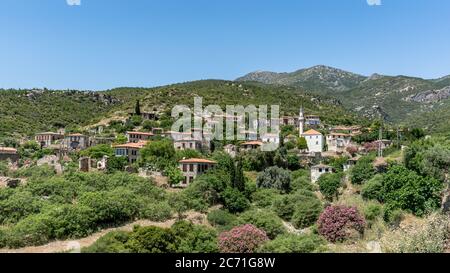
431	96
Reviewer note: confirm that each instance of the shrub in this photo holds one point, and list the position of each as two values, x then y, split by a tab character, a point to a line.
234	201
151	240
242	239
264	219
306	213
194	238
337	222
302	183
285	205
71	221
18	206
274	178
31	231
290	243
362	171
329	185
156	211
372	212
112	242
263	198
221	218
371	190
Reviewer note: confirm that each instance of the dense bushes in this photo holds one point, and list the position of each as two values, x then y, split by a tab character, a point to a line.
290	243
77	204
263	219
301	208
363	170
234	201
221	219
372	188
338	223
274	178
404	189
182	237
242	239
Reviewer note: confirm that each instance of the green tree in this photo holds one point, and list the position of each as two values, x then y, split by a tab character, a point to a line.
234	200
263	219
404	189
362	171
291	243
302	144
98	151
137	108
275	178
329	185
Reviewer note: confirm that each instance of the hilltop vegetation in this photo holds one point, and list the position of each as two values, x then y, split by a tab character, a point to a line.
397	99
24	113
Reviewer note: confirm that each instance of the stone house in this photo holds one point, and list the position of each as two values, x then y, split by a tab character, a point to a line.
134	137
338	142
251	145
191	168
48	138
10	154
129	150
76	142
188	144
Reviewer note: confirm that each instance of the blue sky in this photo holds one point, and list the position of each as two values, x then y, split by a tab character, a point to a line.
104	44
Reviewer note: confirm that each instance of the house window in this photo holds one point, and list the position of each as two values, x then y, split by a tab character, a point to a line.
184	168
317	142
191	167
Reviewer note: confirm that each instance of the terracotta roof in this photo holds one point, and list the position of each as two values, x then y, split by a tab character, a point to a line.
8	150
322	166
339	134
256	142
197	160
77	134
141	133
48	133
312	132
138	145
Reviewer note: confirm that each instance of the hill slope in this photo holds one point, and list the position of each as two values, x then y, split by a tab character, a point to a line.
27	112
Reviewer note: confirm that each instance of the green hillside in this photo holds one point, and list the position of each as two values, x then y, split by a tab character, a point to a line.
27	112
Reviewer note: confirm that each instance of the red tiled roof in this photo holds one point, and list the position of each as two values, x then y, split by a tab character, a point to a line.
256	142
312	132
141	133
77	134
8	150
138	145
197	160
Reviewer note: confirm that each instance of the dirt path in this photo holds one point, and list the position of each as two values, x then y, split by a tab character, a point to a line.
68	245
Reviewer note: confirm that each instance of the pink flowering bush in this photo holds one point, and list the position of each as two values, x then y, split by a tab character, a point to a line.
242	239
337	223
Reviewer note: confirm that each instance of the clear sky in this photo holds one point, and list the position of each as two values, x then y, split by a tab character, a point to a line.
104	44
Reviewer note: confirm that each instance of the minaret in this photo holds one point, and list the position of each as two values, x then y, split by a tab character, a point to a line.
301	120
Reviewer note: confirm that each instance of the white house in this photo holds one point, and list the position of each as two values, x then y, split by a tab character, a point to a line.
314	139
318	170
271	138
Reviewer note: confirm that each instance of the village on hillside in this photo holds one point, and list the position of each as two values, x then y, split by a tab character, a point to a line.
310	140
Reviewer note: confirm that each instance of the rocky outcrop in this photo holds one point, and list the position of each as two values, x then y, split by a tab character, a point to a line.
430	96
